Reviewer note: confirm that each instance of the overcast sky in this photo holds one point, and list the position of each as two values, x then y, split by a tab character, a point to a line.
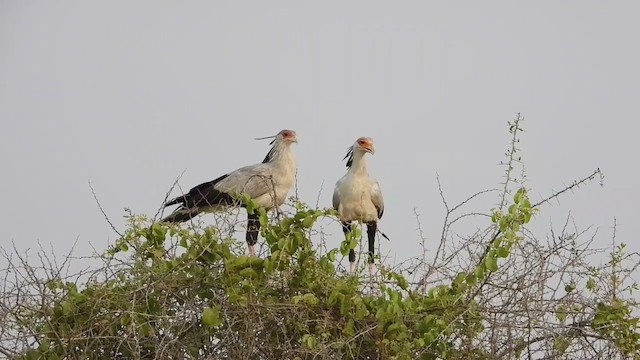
127	95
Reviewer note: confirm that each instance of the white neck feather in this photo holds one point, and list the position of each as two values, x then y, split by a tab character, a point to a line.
282	155
359	163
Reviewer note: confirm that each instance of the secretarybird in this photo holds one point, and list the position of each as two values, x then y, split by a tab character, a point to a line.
357	197
267	183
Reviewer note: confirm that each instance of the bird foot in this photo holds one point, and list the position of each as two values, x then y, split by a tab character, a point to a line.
252	250
352	267
372	269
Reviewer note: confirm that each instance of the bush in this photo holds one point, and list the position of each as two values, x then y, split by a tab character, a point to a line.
166	291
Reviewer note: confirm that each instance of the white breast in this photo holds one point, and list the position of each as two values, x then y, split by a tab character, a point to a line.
355	199
283	178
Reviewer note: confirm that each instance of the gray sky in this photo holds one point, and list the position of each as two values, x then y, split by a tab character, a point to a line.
129	94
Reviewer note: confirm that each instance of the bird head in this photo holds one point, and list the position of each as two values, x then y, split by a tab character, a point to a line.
285	136
363	145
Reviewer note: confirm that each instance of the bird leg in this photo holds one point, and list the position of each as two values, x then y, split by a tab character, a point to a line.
371	234
346	228
253	228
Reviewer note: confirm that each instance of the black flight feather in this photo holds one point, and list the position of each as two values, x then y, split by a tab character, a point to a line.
202	195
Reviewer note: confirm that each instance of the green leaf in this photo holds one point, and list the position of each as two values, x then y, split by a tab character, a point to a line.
248	273
256	262
33	355
236	298
159	233
495	216
429	338
491	263
561	344
250	204
310	299
308	221
264	219
145	329
242	261
353	243
471	279
211	317
345	305
344	248
310	341
518	195
361	312
561	314
268	265
504	223
67	307
333	297
331	255
348	328
502	252
402	282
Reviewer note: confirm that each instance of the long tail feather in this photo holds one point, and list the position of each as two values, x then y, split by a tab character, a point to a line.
178	200
181	215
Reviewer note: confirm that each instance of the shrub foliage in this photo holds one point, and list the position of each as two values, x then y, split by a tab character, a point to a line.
167	291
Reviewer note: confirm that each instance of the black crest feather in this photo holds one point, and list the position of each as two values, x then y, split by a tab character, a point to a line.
269	156
350	156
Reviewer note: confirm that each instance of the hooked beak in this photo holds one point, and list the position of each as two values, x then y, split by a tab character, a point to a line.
369	149
292	138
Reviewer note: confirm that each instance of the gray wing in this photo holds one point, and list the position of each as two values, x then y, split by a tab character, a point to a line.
336	198
376	198
253	180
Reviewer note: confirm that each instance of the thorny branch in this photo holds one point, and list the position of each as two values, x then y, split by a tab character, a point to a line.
102	210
